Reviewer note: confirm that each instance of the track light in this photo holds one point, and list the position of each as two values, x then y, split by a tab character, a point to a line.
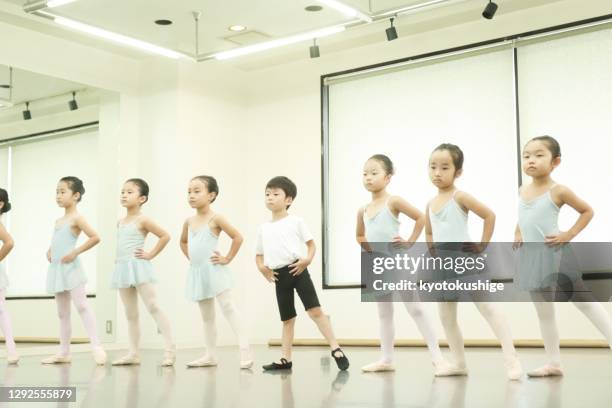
391	31
314	49
489	10
73	103
27	115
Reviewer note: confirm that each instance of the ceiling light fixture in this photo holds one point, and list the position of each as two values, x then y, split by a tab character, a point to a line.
413	8
43	4
57	3
237	28
346	10
278	43
391	31
73	103
27	115
314	49
490	10
163	22
118	38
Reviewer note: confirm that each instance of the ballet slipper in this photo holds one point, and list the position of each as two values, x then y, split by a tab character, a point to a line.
204	361
548	370
514	369
12	358
169	357
448	370
56	359
99	355
378	366
129	359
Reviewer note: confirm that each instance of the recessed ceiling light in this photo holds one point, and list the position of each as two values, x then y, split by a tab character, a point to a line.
313	8
237	28
163	22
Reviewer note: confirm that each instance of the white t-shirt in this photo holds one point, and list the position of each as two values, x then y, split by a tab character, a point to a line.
283	241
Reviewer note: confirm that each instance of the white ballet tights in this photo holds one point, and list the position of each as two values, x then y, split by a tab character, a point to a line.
5	325
594	311
79	298
129	297
448	315
207	309
423	322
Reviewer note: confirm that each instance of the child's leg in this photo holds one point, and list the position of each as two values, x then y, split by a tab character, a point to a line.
207	310
79	298
129	298
599	316
322	322
426	327
448	316
308	295
286	307
387	330
550	336
62	301
387	333
5	325
147	293
501	328
233	317
585	302
287	337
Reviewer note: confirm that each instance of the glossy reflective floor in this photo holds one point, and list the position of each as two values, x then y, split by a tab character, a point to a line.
316	382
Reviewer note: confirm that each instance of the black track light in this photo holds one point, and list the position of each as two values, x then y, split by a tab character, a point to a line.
27	115
391	32
489	10
73	103
314	49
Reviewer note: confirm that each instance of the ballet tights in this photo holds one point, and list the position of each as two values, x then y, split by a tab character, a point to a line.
207	309
79	298
129	297
423	322
5	325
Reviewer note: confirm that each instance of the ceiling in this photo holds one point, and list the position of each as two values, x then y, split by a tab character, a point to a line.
28	86
264	19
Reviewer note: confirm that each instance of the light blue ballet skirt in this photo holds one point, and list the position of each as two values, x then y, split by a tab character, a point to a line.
379	232
204	279
64	276
129	270
3	278
538	265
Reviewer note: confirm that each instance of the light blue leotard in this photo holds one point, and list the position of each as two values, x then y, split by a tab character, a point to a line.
537	263
129	270
64	276
205	280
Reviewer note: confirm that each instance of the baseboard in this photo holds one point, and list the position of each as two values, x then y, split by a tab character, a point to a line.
46	340
523	343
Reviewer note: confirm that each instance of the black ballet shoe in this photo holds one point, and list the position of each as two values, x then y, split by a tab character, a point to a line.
284	365
341	361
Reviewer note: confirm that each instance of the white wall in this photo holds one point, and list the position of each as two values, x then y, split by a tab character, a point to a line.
179	120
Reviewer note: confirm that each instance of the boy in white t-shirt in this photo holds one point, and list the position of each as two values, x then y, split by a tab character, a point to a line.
282	259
